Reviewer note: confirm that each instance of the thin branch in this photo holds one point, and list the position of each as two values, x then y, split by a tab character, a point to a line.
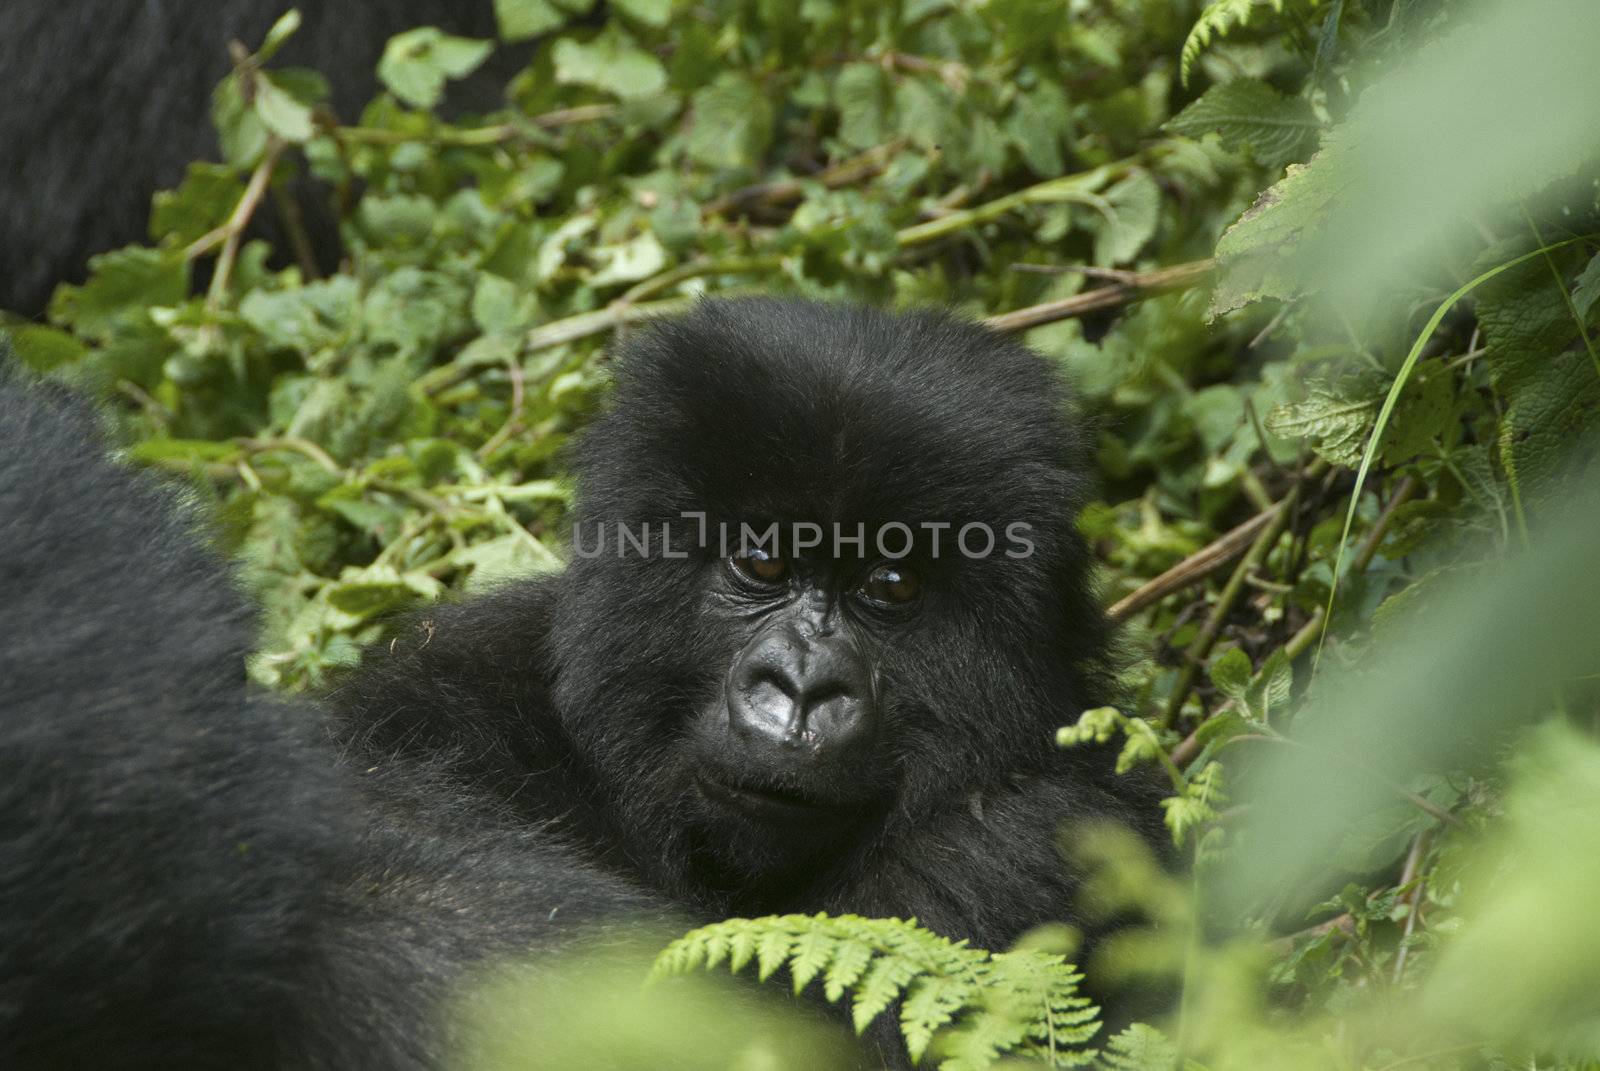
1197	651
1193	569
233	230
784	191
1137	287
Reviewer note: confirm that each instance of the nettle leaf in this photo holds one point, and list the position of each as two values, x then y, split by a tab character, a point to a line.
1334	424
1231	672
1587	290
1542	367
1250	115
417	63
1135	211
1425	410
1257	256
611	62
732	123
519	20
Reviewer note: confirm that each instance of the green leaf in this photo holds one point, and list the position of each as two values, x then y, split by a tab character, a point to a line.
1257	256
519	20
1231	672
1587	290
861	93
1218	19
280	112
638	258
1335	425
650	12
1250	115
286	26
202	202
121	288
610	62
417	63
43	348
1135	211
732	123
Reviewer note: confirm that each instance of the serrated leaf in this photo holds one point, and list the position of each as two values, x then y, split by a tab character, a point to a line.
1250	115
848	965
1587	290
1336	426
121	288
611	62
1231	672
931	1003
813	950
878	988
772	948
416	64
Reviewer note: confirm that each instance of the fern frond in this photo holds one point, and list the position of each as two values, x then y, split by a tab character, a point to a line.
972	1006
1219	18
1139	1048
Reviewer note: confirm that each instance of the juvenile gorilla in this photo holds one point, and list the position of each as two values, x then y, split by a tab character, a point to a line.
745	730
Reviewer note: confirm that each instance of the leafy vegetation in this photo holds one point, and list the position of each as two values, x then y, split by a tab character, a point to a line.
1325	271
1023	1002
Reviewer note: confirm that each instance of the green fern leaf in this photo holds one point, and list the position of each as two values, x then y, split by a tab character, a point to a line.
879	987
1140	1048
741	948
813	951
1219	17
848	965
931	1003
772	949
968	1005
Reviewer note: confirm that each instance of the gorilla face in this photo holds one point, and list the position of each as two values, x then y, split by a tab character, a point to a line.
825	579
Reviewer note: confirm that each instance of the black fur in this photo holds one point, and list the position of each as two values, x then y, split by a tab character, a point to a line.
107	101
188	877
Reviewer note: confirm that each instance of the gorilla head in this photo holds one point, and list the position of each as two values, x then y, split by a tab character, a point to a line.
826	578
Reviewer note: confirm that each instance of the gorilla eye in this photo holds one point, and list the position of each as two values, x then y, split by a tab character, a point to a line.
761	567
892	585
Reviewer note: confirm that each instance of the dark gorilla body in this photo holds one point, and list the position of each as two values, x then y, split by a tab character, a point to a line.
107	101
734	734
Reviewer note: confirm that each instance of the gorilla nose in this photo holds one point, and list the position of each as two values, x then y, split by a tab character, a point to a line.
804	694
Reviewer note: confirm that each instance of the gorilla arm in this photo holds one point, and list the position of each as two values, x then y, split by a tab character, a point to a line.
188	876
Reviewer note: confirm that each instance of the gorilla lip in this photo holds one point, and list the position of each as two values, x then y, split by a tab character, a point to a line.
762	803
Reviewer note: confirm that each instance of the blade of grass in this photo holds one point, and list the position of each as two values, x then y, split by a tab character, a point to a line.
1393	397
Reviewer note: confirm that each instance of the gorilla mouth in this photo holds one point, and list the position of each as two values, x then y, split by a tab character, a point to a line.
764	803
